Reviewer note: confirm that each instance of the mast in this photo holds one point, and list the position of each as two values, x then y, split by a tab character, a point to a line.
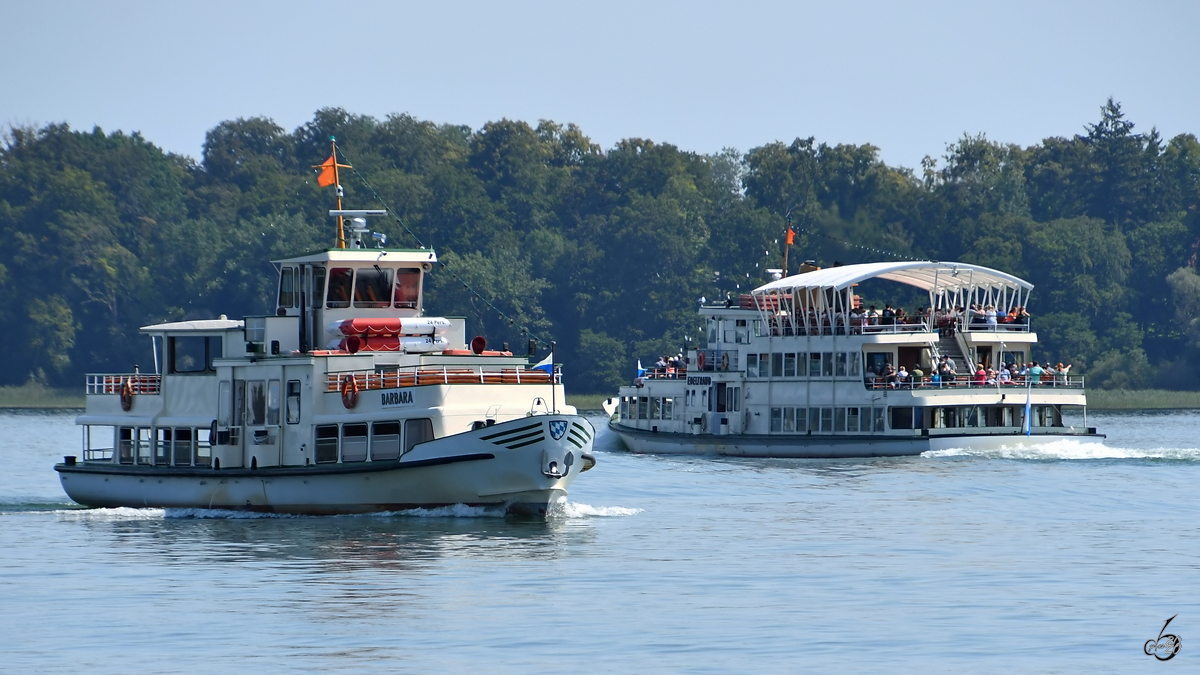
341	236
329	176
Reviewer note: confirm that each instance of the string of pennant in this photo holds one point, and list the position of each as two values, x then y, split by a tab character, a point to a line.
853	245
539	340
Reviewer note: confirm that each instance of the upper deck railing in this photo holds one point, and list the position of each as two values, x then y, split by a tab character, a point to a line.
960	382
395	378
115	383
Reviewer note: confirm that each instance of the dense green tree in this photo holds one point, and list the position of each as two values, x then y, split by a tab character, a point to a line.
606	251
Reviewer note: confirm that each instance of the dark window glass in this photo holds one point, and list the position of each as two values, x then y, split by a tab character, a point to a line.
408	288
416	432
287	287
293	402
341	280
373	287
187	354
385	441
354	442
327	443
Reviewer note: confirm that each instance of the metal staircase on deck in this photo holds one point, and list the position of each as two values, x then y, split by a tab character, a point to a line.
948	346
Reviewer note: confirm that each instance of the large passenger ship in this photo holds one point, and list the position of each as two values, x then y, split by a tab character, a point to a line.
798	368
347	399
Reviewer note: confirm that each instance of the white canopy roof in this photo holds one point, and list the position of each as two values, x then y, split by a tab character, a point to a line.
925	274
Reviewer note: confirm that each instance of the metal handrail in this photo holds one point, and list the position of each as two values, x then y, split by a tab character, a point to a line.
112	383
970	382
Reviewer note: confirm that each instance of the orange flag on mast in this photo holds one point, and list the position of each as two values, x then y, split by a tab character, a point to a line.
326	177
791	235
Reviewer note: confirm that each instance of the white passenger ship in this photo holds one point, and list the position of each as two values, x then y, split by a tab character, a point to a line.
347	400
792	370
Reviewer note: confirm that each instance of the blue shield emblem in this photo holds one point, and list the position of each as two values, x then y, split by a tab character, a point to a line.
557	429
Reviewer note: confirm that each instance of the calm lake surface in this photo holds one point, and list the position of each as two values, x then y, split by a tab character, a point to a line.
1061	560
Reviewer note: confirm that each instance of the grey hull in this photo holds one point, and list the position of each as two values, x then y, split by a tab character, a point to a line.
827	446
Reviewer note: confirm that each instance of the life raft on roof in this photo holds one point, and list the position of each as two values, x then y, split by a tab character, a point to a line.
397	326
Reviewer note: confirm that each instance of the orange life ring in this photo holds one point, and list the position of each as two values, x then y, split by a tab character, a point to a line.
349	392
127	394
725	361
700	361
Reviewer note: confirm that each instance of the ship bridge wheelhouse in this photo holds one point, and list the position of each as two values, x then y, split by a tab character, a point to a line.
337	284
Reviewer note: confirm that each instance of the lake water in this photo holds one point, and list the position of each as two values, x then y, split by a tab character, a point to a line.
1061	560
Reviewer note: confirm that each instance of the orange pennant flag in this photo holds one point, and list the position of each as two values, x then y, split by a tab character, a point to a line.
791	235
326	178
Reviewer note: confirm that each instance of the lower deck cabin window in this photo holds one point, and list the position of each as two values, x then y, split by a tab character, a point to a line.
385	441
417	431
354	442
327	443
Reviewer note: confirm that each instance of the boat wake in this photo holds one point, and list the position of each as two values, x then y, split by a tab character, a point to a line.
1070	450
576	510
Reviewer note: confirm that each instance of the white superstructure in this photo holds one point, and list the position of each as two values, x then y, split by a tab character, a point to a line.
796	369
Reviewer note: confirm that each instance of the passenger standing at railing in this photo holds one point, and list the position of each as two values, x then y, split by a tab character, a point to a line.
1061	372
889	316
990	313
1035	373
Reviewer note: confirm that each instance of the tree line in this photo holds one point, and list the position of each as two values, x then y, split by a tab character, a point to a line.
545	233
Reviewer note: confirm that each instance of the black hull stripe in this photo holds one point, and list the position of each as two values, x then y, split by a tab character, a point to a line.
522	437
521	445
510	431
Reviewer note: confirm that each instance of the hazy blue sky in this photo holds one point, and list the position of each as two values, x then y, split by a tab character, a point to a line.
909	77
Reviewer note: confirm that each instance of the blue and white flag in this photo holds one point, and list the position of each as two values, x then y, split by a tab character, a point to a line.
1028	410
546	364
641	370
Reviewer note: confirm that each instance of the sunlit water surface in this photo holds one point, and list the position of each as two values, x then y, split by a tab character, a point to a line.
1064	559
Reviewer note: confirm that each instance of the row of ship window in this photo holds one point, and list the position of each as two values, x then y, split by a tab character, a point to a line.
718	398
871	419
383	443
804	364
192	446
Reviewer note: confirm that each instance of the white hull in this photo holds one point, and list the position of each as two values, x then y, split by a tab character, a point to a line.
827	447
505	465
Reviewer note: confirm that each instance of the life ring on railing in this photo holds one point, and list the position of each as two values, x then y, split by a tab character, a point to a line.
700	361
349	392
725	361
127	394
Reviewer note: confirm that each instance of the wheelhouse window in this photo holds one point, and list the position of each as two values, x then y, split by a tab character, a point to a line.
341	281
408	288
372	287
288	288
192	353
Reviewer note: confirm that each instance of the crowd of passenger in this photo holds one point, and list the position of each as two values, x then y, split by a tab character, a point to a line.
896	319
669	367
946	374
